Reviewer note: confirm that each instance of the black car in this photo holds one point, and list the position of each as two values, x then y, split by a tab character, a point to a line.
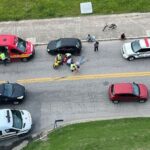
11	93
64	45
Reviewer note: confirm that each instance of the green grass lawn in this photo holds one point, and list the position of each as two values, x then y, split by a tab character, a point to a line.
35	9
121	134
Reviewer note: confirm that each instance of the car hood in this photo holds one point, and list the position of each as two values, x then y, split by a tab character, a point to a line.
27	120
143	91
128	49
29	48
52	45
18	91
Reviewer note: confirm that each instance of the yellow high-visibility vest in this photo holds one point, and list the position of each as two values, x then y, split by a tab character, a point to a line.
3	57
73	67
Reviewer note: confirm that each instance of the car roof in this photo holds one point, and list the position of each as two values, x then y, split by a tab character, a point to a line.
123	88
8	40
5	122
68	41
145	43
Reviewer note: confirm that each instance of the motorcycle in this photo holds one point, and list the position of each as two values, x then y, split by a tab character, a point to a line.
57	64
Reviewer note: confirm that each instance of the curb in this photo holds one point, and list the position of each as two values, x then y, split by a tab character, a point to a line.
43	134
106	39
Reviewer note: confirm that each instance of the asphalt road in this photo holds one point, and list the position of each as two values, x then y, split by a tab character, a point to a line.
61	94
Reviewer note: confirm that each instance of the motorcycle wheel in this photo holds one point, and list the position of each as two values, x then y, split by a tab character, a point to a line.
54	66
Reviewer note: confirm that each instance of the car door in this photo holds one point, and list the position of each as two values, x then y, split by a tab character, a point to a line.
147	52
3	98
128	97
7	133
67	49
62	50
144	53
14	53
125	97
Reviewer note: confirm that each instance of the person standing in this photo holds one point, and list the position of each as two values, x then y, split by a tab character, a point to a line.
123	37
96	45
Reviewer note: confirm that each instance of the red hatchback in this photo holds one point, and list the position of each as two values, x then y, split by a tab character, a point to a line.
128	92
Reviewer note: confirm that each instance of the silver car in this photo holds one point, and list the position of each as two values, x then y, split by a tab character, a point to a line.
136	49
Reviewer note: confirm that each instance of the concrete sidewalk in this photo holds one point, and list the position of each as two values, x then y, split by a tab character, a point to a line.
134	25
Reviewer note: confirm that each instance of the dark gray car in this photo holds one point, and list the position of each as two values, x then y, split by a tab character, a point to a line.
64	45
11	93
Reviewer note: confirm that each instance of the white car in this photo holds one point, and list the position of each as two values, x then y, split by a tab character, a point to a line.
14	122
136	49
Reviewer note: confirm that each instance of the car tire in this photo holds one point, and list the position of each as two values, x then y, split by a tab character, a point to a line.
142	101
24	59
131	58
116	101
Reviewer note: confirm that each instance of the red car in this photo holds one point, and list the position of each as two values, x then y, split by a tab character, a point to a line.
128	92
16	48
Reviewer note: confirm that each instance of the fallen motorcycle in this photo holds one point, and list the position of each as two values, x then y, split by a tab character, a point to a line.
57	64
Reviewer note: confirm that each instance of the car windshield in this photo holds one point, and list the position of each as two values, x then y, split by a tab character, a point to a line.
21	45
135	46
17	119
58	43
8	89
136	90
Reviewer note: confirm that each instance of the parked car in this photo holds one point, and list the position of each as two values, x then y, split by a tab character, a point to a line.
12	93
64	45
128	92
16	48
14	122
136	49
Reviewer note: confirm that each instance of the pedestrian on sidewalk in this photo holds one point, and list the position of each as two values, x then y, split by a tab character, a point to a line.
123	36
96	45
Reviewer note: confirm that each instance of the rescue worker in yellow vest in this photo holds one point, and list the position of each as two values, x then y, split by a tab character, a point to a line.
3	58
59	57
74	67
58	61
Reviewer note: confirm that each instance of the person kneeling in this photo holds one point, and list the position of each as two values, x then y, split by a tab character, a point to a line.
74	67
